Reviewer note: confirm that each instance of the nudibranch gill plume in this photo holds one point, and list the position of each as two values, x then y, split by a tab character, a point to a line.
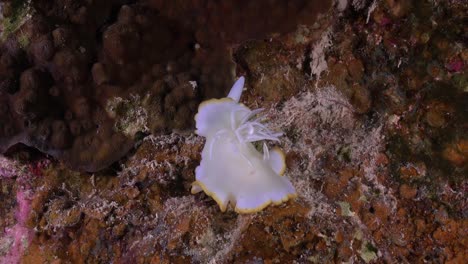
231	169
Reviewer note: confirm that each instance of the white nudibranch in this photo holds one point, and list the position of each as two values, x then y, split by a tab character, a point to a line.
231	169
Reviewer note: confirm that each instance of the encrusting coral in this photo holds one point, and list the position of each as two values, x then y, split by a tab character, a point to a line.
231	169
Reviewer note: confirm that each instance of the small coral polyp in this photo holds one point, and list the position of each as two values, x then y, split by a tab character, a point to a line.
231	169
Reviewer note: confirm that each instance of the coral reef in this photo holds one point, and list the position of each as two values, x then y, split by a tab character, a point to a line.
56	80
97	100
47	99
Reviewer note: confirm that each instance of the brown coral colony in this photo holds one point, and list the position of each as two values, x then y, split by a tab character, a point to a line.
46	96
54	88
59	70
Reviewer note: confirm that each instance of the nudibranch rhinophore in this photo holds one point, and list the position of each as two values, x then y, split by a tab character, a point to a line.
231	169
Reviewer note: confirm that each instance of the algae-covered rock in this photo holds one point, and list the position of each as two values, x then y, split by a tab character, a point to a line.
97	100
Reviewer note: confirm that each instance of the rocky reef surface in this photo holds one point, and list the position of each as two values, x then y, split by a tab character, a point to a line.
98	150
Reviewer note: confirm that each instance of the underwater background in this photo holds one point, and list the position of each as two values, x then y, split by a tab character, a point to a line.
98	150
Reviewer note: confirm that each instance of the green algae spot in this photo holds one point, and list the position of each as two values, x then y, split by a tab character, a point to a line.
20	12
368	252
345	209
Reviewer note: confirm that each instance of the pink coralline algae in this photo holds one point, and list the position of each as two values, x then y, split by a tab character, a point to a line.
37	167
17	238
455	65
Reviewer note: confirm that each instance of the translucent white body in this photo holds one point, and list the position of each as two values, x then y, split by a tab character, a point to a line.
231	169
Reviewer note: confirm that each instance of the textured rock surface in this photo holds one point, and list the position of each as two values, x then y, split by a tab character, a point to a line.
371	99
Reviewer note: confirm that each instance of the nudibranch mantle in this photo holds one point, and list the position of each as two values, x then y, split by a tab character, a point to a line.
231	169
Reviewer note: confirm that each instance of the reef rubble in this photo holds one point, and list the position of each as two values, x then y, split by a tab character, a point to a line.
97	100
